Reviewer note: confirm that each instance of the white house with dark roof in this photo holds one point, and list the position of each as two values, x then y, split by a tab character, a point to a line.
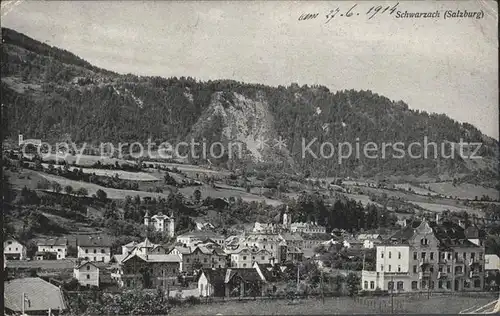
58	247
161	223
87	273
13	250
94	248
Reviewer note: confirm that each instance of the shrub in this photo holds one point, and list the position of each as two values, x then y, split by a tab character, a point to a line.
193	300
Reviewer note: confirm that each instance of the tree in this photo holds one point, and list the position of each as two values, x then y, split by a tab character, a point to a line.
82	192
56	186
101	195
353	283
197	195
68	189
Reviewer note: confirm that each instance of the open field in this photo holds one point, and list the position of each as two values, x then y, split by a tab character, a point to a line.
125	175
227	193
417	190
339	305
463	191
68	263
435	207
92	188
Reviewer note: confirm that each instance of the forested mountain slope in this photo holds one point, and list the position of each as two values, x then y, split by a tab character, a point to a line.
48	92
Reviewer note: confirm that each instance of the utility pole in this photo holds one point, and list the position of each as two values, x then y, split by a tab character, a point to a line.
23	302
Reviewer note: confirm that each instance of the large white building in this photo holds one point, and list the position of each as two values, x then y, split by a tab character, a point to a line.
13	250
94	248
195	237
161	223
245	257
427	256
307	228
58	247
86	273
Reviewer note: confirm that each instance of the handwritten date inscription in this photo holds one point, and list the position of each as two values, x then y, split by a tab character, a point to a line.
352	11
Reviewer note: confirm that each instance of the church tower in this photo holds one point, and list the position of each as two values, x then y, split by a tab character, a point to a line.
146	219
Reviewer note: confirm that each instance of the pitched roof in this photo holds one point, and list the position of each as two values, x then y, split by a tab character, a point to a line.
53	242
271	273
247	274
201	234
155	258
182	250
214	275
292	237
83	263
93	241
119	258
40	295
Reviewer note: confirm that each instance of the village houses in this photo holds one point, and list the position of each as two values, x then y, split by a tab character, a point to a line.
94	248
87	273
13	250
427	256
53	248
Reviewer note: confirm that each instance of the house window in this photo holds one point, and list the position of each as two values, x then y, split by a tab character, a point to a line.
415	255
432	255
389	268
16	248
472	255
244	265
372	285
205	260
399	268
477	283
86	251
400	285
381	267
431	269
244	257
465	255
102	250
480	256
414	269
440	284
449	255
448	269
381	254
88	276
10	249
102	259
263	258
423	255
399	254
414	285
366	285
390	255
88	267
390	285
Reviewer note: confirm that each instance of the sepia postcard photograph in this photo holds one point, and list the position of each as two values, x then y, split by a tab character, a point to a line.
250	157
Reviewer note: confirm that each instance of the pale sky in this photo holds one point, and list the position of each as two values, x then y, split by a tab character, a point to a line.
445	66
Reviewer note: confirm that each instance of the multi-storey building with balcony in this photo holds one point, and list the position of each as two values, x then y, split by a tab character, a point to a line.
427	256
